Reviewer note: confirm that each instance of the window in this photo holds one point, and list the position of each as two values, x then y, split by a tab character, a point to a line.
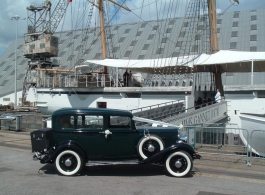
155	27
89	122
94	41
195	48
254	17
236	15
140	57
6	99
234	34
69	44
87	51
143	25
21	76
78	47
12	72
116	28
110	36
254	48
127	31
185	24
219	21
253	37
76	36
169	30
150	37
198	37
7	68
261	94
97	56
159	50
115	49
133	43
182	34
233	45
218	30
172	22
121	39
127	54
200	27
146	46
70	58
164	40
32	46
253	27
119	122
235	24
67	122
2	63
42	45
102	104
178	44
139	33
175	54
23	61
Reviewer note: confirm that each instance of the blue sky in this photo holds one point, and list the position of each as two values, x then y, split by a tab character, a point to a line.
10	8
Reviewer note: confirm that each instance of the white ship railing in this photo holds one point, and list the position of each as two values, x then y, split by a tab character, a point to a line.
106	80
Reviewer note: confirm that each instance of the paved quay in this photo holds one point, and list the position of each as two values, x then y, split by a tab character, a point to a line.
210	165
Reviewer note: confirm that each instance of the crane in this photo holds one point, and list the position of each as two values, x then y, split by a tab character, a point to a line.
40	43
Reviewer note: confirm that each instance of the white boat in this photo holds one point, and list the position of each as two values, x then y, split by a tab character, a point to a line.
255	124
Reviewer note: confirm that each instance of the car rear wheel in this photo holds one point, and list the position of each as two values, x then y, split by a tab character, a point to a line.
179	164
68	163
149	146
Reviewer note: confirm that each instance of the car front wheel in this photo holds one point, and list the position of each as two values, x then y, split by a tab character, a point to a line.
179	164
68	163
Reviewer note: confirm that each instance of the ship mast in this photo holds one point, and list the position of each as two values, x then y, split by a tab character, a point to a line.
99	5
214	41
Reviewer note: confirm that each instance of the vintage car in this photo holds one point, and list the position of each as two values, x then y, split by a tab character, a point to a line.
98	136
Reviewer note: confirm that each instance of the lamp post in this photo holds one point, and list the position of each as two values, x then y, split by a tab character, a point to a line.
16	17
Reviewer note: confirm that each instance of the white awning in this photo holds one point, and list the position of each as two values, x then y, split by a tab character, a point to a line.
230	61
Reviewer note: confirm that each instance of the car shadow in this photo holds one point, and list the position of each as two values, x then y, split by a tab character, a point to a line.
116	170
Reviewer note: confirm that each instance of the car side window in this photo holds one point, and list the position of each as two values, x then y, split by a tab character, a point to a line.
89	122
119	122
67	122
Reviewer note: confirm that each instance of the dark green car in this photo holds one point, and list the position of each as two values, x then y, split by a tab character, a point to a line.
96	136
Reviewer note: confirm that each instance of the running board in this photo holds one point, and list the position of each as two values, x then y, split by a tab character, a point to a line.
97	163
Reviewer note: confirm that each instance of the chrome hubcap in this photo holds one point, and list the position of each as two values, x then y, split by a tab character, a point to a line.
151	148
178	164
68	163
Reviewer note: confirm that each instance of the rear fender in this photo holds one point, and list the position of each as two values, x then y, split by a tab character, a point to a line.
158	157
68	145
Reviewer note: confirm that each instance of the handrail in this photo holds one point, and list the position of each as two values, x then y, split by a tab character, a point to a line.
165	103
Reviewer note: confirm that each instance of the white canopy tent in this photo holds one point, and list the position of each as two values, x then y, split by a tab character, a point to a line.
230	61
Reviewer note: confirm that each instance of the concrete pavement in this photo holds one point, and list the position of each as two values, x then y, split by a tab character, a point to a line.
210	165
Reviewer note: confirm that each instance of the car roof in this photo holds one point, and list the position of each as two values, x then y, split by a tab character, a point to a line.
100	111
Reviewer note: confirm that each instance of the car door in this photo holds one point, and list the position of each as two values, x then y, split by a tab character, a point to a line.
89	135
122	141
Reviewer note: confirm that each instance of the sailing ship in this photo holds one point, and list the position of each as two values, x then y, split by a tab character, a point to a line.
167	79
172	72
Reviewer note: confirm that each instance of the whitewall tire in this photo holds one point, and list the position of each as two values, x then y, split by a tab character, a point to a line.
149	146
179	164
68	163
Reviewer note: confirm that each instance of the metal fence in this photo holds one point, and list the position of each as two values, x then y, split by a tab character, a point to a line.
25	122
227	141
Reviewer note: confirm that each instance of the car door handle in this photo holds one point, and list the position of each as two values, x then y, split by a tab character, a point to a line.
106	132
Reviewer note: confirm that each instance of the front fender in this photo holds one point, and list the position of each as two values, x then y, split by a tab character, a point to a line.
176	147
63	146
